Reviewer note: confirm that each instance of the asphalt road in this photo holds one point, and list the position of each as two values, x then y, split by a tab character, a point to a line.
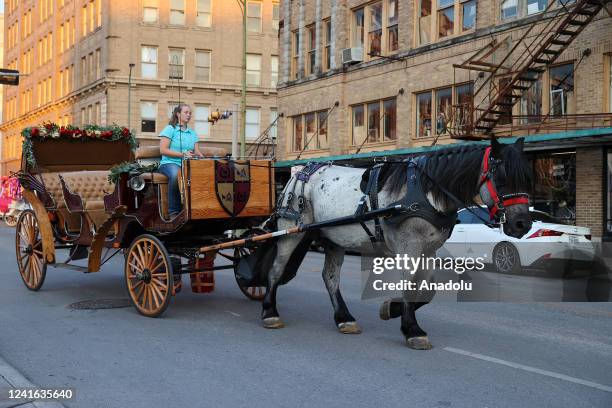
209	350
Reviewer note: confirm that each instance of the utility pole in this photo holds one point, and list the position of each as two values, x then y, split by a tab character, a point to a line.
243	4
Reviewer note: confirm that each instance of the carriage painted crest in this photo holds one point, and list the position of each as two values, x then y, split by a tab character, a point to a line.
233	185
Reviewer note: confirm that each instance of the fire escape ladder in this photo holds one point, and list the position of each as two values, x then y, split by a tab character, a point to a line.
533	54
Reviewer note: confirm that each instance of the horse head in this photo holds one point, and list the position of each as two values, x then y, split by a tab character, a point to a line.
503	185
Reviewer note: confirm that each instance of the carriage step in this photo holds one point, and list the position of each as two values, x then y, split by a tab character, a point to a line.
70	266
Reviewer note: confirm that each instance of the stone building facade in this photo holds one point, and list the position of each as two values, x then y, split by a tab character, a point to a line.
389	66
78	54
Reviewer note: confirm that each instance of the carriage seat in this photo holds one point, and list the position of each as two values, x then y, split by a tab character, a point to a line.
150	154
91	186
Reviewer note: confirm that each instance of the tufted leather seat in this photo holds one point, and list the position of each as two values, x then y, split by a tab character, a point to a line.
91	186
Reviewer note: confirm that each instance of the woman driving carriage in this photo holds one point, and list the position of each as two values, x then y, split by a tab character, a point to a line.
177	142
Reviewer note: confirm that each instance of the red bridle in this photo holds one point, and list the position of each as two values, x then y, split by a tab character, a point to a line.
499	203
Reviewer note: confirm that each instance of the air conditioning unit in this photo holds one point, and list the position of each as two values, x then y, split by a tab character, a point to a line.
352	55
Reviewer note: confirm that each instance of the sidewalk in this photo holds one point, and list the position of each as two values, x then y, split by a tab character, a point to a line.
13	379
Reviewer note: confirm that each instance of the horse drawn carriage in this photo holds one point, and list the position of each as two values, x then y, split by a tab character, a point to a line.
66	176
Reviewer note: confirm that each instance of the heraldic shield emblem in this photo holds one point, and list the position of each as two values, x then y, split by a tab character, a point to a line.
233	185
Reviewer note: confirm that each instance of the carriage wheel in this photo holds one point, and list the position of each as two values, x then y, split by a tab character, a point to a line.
148	275
29	250
256	293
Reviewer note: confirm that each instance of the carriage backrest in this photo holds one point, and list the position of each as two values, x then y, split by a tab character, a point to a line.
67	155
90	185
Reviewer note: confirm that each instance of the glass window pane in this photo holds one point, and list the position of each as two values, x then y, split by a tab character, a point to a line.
298	133
202	127
536	6
561	89
373	122
444	101
445	3
375	29
273	123
464	100
358	24
149	15
392	12
446	22
311	128
252	123
425	22
390	119
509	8
424	114
358	125
323	143
469	15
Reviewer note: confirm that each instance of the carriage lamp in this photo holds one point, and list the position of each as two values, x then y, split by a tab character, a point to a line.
216	115
136	183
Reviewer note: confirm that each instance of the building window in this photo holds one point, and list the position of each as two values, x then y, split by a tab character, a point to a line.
203	14
273	124
312	49
176	60
610	82
177	12
464	100
375	29
97	114
97	64
389	119
148	116
358	28
561	89
98	13
148	62
202	127
423	113
295	54
252	123
444	102
531	100
451	17
150	11
468	15
522	8
275	16
253	69
358	125
392	25
326	45
273	71
84	21
203	66
83	71
254	16
310	131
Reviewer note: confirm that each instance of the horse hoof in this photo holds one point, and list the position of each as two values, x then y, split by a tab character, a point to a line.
273	323
349	328
419	343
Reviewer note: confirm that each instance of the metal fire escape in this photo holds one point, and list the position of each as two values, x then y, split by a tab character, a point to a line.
501	84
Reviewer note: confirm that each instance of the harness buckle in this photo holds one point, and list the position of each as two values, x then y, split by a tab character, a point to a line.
301	203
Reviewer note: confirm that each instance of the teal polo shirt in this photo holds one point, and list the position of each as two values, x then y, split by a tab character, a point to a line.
180	141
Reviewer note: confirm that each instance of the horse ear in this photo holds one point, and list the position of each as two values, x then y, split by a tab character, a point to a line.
496	148
520	142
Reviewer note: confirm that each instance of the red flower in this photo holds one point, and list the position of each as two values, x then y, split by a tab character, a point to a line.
49	126
34	132
125	132
106	135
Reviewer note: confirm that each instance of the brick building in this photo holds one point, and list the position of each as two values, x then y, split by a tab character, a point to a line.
77	55
358	77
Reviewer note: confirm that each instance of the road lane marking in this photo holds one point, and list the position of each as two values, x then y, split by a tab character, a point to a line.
530	369
233	313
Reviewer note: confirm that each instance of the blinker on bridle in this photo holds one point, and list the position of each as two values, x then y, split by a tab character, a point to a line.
500	203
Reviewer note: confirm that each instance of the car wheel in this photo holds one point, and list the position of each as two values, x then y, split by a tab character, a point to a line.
506	258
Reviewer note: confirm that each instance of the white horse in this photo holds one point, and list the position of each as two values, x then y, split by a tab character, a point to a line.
462	171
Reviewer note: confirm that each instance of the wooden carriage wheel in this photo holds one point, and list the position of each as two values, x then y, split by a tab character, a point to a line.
28	246
256	293
148	275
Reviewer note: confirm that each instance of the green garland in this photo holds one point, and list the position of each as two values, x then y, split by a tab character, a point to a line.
52	131
131	168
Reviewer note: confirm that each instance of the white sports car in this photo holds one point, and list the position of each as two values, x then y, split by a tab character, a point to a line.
549	244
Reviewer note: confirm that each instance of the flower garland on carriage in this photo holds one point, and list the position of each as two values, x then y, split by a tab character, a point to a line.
53	131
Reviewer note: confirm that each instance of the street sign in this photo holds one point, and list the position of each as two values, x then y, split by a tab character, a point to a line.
9	77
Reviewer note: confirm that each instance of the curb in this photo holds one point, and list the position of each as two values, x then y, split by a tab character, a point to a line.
12	378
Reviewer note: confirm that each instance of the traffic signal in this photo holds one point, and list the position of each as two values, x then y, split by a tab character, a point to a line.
9	77
216	115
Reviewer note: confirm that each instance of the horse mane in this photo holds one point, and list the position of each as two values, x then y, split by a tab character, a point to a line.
456	169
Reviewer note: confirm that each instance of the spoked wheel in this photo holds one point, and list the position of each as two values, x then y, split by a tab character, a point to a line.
256	293
148	275
11	219
28	245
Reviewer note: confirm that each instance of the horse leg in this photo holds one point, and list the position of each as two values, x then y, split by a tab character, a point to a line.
269	314
416	338
334	257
